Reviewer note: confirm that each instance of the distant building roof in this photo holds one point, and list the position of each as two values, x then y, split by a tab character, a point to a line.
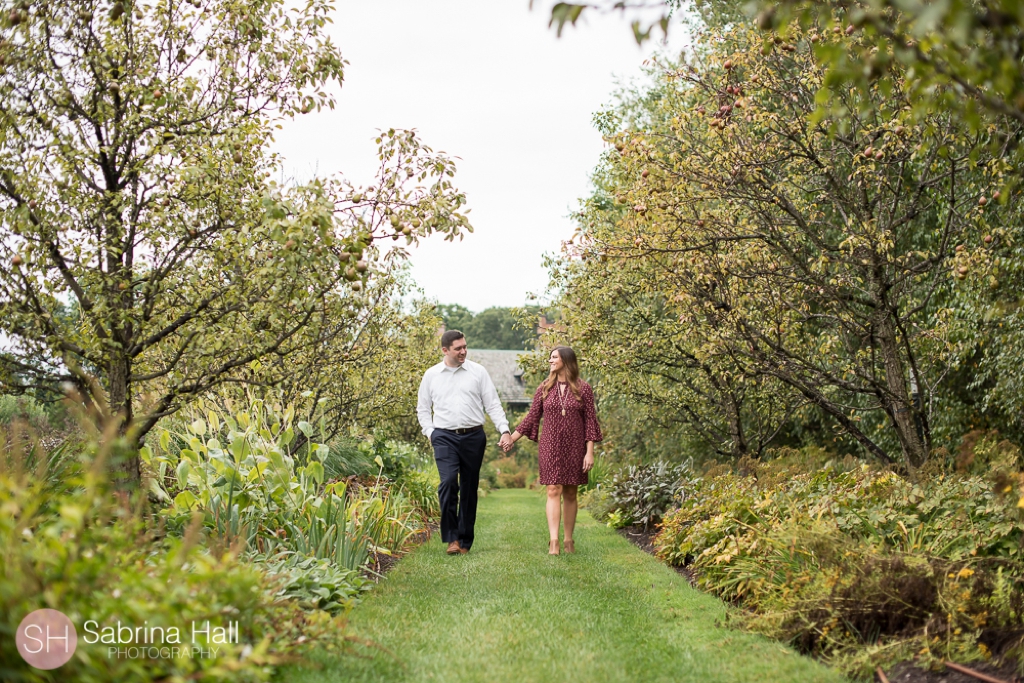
506	373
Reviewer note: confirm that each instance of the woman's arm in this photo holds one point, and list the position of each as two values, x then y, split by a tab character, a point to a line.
588	459
530	425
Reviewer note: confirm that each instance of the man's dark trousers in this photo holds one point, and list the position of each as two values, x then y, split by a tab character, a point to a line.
459	458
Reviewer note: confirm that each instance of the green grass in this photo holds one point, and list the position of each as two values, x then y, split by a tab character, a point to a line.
509	612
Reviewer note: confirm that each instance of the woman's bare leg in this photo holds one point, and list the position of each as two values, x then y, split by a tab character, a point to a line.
554	510
569	507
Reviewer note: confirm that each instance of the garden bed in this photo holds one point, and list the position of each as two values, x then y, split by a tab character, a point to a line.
908	673
379	564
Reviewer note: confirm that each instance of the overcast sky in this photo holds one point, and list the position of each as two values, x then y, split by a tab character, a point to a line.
487	82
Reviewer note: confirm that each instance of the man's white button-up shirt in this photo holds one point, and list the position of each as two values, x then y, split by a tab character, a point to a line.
459	396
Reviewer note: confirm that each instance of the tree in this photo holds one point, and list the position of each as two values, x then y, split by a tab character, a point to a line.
823	263
455	317
134	182
642	353
964	57
496	327
363	371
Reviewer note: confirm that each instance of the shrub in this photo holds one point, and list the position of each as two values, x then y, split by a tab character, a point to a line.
421	488
238	467
510	474
598	503
315	583
22	408
345	458
983	452
858	564
641	494
488	477
68	545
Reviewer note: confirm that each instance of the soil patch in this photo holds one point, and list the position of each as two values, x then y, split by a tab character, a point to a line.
908	673
379	564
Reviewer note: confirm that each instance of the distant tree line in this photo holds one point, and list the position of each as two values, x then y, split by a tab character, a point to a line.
492	328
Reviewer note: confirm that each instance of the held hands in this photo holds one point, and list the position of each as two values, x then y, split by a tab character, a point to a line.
505	443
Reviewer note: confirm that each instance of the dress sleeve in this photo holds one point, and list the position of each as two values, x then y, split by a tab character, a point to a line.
530	426
591	428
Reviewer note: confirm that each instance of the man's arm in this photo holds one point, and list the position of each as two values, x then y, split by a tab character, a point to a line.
492	404
423	412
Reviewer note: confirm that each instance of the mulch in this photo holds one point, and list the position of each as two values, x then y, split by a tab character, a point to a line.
905	672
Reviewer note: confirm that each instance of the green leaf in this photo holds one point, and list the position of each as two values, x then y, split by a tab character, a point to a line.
315	470
182	471
564	12
186	500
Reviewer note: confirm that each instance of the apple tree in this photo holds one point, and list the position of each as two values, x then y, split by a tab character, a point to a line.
824	266
148	256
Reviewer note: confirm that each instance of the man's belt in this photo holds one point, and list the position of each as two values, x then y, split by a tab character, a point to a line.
462	430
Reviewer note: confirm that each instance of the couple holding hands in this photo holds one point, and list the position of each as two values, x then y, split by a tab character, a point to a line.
453	396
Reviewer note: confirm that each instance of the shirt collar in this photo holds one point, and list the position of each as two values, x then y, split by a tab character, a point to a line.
447	368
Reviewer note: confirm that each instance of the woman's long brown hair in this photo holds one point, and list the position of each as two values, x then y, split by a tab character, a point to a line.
572	371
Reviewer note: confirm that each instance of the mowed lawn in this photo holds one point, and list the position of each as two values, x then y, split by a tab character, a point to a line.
508	611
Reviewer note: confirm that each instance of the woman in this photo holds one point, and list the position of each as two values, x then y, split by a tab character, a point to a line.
566	450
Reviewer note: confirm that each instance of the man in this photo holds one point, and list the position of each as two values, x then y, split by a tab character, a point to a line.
459	391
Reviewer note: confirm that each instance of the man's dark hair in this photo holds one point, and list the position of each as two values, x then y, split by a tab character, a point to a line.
449	337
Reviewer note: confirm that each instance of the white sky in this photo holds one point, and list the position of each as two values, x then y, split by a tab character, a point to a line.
487	82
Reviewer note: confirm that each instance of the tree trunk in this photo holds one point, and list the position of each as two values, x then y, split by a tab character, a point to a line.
739	439
898	404
124	459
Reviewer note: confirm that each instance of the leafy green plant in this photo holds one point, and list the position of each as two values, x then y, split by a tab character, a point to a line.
316	583
641	494
22	408
68	543
346	458
324	531
239	467
857	564
421	488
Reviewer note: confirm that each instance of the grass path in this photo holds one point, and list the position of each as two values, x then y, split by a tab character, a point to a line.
509	612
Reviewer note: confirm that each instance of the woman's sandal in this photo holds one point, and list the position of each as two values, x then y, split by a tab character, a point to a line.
570	546
553	547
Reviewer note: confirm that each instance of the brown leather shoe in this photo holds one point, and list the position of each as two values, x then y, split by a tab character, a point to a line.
455	549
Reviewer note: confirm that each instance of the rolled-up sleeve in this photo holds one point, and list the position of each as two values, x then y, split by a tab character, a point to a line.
530	426
591	428
423	406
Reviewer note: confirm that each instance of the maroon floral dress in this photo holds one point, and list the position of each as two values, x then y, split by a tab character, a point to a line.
563	442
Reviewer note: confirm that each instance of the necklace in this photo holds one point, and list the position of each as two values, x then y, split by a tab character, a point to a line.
561	396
